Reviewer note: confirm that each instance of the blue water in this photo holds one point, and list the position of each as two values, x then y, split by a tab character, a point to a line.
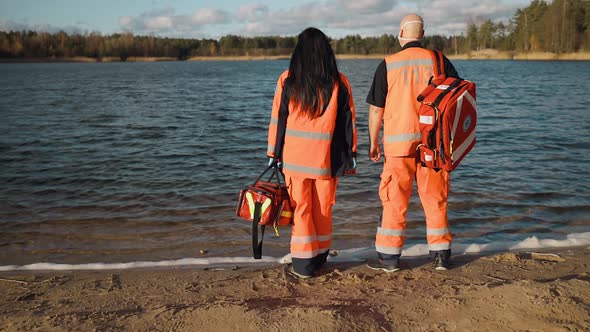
118	162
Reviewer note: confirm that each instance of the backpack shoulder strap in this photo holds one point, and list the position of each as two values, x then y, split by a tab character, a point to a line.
257	245
439	63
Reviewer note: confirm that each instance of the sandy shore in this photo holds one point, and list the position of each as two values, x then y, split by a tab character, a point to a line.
239	58
282	57
490	54
501	292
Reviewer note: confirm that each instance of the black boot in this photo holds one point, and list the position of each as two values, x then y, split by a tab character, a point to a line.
387	263
442	259
319	260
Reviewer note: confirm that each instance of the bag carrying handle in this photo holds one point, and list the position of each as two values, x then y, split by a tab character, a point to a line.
451	87
275	173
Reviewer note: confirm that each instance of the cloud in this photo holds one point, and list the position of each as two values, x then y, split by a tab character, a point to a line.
371	17
448	17
167	22
162	20
125	21
210	16
10	25
330	15
366	6
252	12
159	23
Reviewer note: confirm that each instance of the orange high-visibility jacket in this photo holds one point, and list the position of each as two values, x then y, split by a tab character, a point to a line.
317	148
408	73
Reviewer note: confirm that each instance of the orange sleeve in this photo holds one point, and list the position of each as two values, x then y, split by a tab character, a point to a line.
274	116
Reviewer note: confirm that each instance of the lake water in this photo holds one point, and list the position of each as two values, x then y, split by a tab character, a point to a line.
122	162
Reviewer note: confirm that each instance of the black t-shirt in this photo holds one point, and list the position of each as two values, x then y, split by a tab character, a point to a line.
379	88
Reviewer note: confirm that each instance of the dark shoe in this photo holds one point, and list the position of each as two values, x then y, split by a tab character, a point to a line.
299	275
390	265
318	261
304	266
442	260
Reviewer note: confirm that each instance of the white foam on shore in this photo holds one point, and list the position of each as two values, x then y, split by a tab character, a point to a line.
346	255
140	264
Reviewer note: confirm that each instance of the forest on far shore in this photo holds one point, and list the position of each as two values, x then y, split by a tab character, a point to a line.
562	26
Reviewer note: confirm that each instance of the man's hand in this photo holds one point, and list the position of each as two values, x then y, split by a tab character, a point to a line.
375	119
375	152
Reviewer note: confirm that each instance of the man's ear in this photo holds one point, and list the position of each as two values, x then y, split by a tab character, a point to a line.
422	34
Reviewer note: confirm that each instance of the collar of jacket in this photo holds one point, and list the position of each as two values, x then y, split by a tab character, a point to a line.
412	44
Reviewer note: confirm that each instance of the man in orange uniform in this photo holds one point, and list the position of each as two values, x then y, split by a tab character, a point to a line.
398	81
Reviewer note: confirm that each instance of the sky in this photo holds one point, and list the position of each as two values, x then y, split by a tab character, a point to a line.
213	19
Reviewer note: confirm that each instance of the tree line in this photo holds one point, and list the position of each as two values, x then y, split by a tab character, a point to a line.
560	26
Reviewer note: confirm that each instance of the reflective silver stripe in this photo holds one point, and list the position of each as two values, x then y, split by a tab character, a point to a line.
309	134
403	137
471	100
390	232
307	254
437	231
388	250
457	115
408	63
270	149
304	239
439	246
427	119
274	121
305	169
460	151
310	239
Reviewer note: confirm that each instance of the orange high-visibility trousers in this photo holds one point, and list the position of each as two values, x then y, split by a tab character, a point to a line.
395	191
311	235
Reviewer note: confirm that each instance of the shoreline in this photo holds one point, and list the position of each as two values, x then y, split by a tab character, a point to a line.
477	55
543	290
82	59
490	54
355	254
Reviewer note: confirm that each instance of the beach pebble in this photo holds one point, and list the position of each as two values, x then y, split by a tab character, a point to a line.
547	257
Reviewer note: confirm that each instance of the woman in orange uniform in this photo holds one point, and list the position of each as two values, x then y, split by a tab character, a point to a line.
312	134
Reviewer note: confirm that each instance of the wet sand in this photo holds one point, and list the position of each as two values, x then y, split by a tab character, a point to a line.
501	292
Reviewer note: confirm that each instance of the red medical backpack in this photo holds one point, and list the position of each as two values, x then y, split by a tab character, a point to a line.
448	116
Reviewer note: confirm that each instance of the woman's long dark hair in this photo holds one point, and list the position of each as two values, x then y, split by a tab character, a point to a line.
312	72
